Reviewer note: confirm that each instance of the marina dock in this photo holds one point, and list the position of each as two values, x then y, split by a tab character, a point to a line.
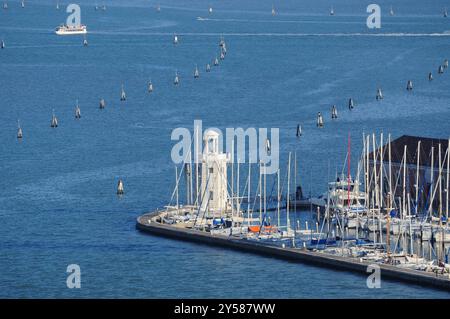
149	223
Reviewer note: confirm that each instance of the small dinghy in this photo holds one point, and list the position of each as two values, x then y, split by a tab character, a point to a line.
441	69
158	8
430	76
176	81
208	67
391	12
5	5
273	11
319	120
85	42
77	111
123	95
409	85
299	130
216	62
23	3
2	44
54	122
19	131
351	104
210	10
379	94
334	112
222	55
445	63
445	13
102	104
120	187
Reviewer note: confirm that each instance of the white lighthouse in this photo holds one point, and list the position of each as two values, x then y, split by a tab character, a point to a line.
214	195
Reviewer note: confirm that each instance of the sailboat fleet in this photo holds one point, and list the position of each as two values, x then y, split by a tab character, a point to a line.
372	216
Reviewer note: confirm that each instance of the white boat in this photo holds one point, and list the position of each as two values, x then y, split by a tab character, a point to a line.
175	39
2	44
196	73
71	30
332	11
176	81
123	95
77	111
379	94
409	85
150	87
102	104
216	62
208	67
391	12
210	10
54	122
273	11
5	5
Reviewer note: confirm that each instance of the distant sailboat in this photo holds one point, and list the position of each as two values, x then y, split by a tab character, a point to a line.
5	5
221	42
85	42
299	130
222	55
175	39
391	11
57	5
23	4
150	87
445	13
379	94
430	76
96	7
102	104
334	112
196	73
332	11
54	122
441	69
123	95
77	111
216	61
19	130
273	10
177	79
319	120
208	67
445	63
409	85
158	8
351	104
210	10
2	44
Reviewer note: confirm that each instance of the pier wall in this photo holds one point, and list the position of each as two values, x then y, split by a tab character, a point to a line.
302	255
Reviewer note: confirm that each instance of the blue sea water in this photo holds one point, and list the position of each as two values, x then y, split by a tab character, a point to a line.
58	204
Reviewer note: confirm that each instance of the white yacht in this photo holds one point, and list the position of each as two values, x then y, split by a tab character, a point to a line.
71	30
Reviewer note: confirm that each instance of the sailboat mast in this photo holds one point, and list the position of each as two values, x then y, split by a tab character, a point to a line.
448	184
249	191
176	180
381	171
237	192
196	167
288	222
430	208
260	192
391	196
417	177
404	180
440	186
278	197
348	171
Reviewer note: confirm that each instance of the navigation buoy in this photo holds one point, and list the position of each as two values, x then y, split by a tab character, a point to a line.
19	130
334	112
120	187
54	122
150	87
319	120
196	73
123	95
351	104
299	130
409	85
77	111
379	95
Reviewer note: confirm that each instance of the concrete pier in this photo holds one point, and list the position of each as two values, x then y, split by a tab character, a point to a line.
148	223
